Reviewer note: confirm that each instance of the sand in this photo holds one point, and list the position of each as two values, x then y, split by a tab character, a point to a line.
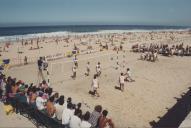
156	86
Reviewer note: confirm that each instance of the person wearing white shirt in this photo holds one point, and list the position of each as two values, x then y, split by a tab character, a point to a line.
75	119
66	115
95	85
129	78
74	68
40	102
59	108
85	123
122	81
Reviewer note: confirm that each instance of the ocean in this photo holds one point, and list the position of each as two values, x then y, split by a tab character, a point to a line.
13	33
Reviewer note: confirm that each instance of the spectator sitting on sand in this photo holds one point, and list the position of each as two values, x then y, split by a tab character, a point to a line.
40	102
50	107
56	97
59	108
32	97
75	120
38	97
104	121
21	97
79	107
85	123
66	115
44	85
69	100
95	115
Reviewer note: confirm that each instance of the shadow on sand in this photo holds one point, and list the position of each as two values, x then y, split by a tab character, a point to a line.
176	114
118	88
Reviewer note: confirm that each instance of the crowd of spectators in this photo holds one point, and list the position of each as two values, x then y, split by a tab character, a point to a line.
163	49
43	98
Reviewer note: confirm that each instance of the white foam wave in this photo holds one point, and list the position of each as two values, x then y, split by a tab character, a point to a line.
66	33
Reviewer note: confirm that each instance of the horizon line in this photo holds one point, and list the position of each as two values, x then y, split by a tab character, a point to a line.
55	25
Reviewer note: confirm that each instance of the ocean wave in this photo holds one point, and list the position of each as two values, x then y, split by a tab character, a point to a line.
66	33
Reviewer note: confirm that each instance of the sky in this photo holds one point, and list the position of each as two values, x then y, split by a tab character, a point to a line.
97	12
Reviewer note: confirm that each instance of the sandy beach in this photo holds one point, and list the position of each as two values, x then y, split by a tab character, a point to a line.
154	90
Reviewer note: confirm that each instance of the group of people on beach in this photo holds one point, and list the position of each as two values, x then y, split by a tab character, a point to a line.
125	77
150	51
43	98
95	83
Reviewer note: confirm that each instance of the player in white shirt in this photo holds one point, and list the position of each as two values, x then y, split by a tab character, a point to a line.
95	85
122	81
129	77
74	68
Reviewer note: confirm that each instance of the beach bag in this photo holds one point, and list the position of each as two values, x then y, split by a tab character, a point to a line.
6	61
8	109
